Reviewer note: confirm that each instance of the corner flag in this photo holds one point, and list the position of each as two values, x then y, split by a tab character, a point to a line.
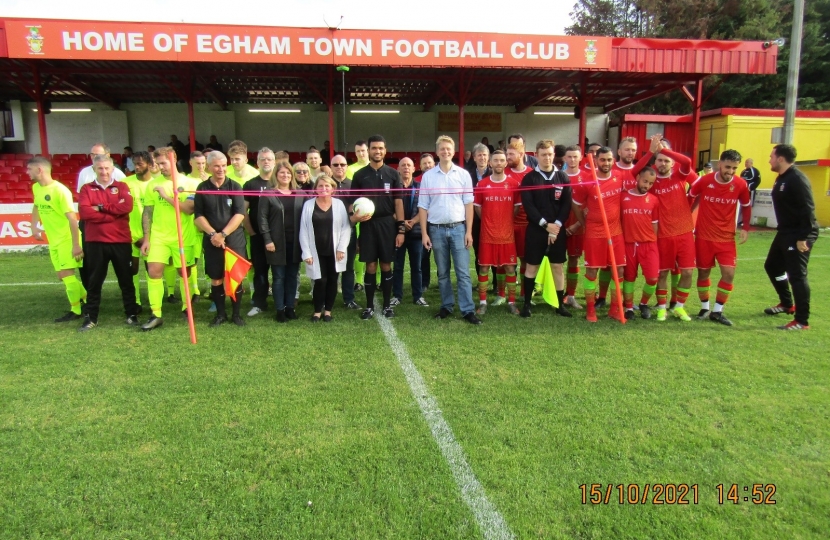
236	268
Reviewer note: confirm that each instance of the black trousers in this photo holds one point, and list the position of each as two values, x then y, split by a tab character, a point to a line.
83	271
787	268
261	268
97	258
325	288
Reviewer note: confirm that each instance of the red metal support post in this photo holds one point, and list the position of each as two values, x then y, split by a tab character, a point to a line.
330	105
697	104
41	115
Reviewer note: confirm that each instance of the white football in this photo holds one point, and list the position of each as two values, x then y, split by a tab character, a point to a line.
363	206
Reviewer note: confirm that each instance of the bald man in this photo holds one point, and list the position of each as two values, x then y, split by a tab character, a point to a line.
412	242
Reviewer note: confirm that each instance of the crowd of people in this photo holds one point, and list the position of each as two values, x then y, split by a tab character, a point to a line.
517	212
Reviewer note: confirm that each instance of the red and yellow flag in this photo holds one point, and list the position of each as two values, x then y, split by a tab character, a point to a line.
236	268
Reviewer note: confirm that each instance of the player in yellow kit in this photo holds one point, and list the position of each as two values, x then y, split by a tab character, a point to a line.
54	210
138	183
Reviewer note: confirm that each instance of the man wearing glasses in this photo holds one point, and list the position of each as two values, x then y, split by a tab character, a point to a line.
338	172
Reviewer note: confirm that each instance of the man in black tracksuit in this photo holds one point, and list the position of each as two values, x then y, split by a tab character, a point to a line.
795	211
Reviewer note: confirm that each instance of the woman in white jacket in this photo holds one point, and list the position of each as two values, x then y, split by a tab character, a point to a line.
325	233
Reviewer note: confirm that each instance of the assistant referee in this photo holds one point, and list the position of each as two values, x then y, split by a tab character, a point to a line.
220	215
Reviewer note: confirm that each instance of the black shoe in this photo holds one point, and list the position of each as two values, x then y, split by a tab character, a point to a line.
443	313
388	312
367	314
238	320
717	316
139	310
281	318
171	299
358	287
88	325
195	299
352	305
629	315
291	314
562	312
327	318
472	319
703	314
184	314
600	303
132	320
645	311
218	321
315	318
672	305
153	322
69	316
525	311
395	302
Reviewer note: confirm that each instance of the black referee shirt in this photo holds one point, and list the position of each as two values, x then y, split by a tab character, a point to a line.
219	209
254	184
792	200
386	180
553	202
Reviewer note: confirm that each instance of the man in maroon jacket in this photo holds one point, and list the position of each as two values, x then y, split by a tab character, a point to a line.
105	206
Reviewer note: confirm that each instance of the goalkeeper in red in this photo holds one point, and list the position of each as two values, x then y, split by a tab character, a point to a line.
717	195
496	202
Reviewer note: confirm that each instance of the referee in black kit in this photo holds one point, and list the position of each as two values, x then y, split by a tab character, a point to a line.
220	217
385	231
795	211
546	198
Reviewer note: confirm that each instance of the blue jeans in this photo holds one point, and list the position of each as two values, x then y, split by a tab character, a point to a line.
449	242
284	286
415	248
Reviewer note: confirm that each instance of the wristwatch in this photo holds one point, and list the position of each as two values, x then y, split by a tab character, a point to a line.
543	223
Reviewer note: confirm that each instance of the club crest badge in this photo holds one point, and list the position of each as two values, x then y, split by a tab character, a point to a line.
35	40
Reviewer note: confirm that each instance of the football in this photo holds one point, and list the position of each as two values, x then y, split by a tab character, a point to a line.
363	206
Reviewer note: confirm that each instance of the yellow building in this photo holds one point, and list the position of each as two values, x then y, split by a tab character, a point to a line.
750	132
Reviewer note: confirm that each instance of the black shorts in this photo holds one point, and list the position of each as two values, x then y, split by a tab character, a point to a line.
215	257
537	248
377	240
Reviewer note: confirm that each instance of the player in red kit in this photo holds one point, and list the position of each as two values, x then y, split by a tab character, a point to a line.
496	201
517	169
640	212
597	256
626	155
717	195
674	237
576	235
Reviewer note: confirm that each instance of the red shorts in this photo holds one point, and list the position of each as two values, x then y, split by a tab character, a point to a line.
496	254
645	256
597	253
519	240
677	251
575	245
725	253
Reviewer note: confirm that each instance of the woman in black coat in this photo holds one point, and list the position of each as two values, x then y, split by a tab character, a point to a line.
279	223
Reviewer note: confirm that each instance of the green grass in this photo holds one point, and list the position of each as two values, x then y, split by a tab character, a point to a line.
119	434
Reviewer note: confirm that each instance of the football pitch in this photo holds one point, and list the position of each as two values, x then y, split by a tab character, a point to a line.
411	427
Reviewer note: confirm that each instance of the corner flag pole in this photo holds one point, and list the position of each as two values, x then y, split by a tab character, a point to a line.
181	249
614	273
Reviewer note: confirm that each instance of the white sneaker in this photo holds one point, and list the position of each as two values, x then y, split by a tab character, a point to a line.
254	312
572	303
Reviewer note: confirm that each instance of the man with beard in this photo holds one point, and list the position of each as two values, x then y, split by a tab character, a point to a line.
639	223
266	162
137	184
596	243
517	169
383	231
573	229
717	196
675	241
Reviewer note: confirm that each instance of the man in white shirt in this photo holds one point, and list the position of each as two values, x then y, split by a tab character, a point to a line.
87	175
446	212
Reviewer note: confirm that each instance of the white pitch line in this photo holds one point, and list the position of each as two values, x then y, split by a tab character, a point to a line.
489	520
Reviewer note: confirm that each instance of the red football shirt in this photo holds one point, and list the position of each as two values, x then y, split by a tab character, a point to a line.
576	179
639	214
585	195
674	205
497	201
520	220
717	212
629	181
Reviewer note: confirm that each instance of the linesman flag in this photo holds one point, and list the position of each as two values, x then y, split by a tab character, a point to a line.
544	279
236	268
